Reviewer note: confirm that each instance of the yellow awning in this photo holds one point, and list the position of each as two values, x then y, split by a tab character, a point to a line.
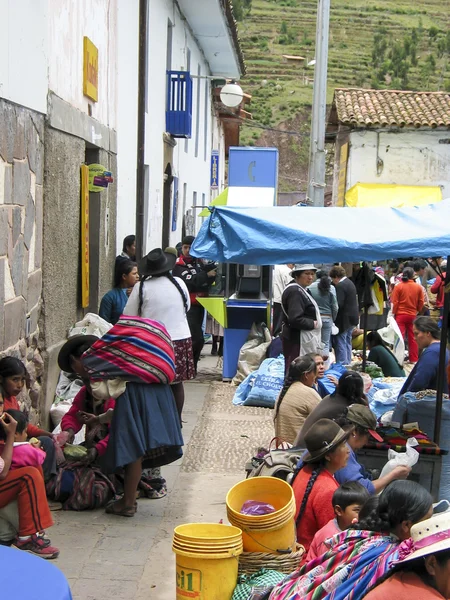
220	200
363	195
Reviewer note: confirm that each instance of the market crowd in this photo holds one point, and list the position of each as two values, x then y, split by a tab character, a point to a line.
364	536
128	402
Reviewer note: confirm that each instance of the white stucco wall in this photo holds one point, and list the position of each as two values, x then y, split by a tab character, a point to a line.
411	157
68	23
127	112
193	171
23	52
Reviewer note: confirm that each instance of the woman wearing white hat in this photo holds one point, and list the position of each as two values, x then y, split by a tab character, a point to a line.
302	324
423	571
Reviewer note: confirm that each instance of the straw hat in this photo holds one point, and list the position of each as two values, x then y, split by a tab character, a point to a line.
427	537
322	438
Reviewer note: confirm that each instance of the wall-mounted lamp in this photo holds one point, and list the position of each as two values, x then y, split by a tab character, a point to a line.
231	94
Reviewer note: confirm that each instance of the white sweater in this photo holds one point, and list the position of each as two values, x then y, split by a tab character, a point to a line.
162	302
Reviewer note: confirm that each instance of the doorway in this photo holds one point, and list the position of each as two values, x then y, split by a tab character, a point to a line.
167	196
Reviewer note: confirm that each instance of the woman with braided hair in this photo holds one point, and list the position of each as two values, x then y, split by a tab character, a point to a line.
297	399
162	297
361	555
314	483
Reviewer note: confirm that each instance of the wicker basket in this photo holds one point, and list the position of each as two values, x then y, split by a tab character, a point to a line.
251	562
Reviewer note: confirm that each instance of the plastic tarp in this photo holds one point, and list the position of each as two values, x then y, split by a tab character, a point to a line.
363	195
286	234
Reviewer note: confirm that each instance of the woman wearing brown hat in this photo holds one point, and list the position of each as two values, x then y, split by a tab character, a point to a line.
314	484
302	323
162	297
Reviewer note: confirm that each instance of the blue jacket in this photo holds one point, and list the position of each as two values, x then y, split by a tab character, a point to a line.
112	305
424	375
353	471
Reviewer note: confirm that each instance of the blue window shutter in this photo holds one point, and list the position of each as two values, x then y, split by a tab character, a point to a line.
179	104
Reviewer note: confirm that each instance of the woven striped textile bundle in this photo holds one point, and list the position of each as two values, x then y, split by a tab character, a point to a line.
134	349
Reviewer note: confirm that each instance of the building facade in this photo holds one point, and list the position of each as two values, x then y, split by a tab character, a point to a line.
390	137
198	39
49	127
69	97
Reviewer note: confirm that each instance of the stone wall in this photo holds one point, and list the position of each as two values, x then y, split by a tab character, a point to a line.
21	215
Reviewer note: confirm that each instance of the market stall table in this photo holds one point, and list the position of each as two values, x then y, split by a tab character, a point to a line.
285	234
427	471
28	577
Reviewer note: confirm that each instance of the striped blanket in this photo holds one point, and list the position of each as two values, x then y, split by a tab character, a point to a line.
355	562
134	349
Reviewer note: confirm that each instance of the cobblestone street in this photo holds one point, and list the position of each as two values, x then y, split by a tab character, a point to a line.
108	557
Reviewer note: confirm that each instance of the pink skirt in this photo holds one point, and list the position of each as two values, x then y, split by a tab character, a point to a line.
184	360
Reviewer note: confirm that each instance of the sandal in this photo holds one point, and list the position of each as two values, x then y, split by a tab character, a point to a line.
128	511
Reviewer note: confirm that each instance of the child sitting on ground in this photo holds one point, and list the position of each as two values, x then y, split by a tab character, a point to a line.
13	380
347	501
25	454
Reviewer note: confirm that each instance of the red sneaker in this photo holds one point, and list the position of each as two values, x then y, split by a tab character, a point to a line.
36	545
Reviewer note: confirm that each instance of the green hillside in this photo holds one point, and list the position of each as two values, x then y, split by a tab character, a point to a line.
393	44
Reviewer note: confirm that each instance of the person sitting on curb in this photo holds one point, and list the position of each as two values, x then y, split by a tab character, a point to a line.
69	361
13	379
26	486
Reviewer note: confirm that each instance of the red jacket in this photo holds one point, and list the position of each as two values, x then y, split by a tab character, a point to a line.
32	430
70	421
319	510
438	289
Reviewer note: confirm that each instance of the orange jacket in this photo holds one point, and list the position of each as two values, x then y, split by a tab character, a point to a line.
407	298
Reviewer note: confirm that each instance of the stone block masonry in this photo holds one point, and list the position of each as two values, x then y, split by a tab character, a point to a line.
21	215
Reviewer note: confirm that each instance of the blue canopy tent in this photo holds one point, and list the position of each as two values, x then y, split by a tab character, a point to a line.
284	234
280	235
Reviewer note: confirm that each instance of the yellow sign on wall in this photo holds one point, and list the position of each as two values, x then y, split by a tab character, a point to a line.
90	69
84	237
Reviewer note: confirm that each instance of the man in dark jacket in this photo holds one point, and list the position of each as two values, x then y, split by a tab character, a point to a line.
348	314
198	280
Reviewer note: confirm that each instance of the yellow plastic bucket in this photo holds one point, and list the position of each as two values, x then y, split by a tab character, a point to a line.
275	532
207	560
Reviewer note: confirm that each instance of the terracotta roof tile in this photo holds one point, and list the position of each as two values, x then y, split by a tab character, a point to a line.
389	108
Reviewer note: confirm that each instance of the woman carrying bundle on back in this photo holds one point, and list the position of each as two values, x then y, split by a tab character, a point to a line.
361	555
162	297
